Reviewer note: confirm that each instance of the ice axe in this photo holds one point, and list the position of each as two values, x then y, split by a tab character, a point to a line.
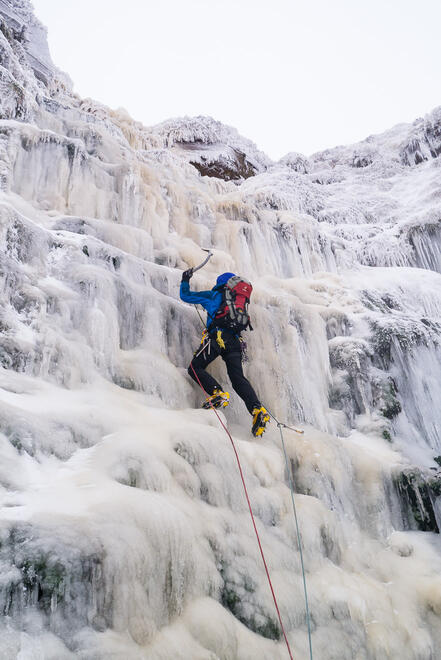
210	254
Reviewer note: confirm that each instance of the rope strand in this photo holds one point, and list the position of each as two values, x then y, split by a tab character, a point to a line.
200	317
297	527
252	516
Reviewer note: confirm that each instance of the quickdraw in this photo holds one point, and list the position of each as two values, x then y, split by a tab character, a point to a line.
205	344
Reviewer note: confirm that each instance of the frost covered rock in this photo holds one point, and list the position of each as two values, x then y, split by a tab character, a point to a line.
296	162
26	67
27	30
214	149
425	140
419	493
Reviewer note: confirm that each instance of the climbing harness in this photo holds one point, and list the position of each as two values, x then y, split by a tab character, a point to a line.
281	425
252	518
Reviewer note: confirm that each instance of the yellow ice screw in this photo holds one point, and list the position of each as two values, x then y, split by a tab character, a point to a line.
219	339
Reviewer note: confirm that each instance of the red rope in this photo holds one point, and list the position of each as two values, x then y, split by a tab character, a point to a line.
251	513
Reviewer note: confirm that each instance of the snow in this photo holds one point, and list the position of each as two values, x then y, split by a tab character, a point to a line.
124	531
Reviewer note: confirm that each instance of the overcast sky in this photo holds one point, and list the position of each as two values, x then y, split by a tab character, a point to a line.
292	75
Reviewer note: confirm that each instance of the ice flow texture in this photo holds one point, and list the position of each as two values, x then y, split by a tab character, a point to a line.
124	529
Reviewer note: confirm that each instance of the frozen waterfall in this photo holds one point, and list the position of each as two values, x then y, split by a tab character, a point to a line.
124	531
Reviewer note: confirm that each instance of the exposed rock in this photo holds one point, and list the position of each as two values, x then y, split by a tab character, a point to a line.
214	149
425	140
418	491
220	161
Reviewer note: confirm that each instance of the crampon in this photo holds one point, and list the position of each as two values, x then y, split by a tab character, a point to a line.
260	420
217	400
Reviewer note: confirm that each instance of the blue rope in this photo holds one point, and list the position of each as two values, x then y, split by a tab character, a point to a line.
299	541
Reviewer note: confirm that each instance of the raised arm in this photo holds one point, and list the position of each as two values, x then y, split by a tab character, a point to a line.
195	297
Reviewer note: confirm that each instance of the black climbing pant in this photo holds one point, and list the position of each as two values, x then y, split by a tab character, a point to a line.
232	356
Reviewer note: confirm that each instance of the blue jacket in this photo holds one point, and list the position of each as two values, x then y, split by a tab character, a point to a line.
210	300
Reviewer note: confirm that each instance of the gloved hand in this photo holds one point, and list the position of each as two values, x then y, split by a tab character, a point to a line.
187	275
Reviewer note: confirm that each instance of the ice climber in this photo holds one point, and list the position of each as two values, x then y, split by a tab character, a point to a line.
226	306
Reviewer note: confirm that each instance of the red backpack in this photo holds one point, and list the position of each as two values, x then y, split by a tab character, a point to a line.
233	310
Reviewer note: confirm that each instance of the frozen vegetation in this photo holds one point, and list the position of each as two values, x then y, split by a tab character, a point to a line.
124	531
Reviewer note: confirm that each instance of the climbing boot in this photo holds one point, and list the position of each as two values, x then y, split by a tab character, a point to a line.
260	420
218	399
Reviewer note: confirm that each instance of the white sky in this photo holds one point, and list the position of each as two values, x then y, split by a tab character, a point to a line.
292	75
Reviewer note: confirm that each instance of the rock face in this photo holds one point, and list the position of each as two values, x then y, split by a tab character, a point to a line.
24	29
425	141
418	493
213	149
26	67
124	531
218	161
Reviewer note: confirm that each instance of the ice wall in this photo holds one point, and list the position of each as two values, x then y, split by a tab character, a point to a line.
124	529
